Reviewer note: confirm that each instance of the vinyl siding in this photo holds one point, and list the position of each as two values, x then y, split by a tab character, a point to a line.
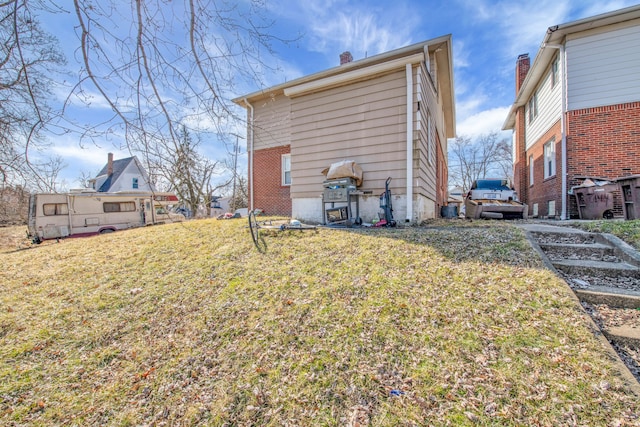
425	154
272	122
549	107
364	122
603	68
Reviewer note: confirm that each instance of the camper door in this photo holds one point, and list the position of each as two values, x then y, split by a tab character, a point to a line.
148	213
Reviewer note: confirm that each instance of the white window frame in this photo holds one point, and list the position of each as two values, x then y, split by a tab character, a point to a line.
555	65
286	169
531	170
549	154
533	107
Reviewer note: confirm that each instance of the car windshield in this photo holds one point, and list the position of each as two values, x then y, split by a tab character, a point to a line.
492	184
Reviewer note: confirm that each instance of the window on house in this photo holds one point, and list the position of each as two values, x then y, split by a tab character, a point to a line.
550	159
55	209
531	170
118	206
533	107
135	183
286	169
554	72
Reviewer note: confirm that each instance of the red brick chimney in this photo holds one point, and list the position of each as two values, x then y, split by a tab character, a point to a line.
522	68
345	57
110	164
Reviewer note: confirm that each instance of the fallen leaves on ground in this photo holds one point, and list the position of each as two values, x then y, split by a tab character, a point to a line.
188	324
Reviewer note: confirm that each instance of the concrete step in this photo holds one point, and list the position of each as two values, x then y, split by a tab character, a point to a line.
590	251
628	335
613	297
569	236
596	268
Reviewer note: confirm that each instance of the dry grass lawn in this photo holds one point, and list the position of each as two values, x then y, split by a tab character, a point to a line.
188	324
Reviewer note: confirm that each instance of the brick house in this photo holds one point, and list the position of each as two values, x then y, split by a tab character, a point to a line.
391	113
577	110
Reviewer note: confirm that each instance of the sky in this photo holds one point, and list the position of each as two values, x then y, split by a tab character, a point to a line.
487	38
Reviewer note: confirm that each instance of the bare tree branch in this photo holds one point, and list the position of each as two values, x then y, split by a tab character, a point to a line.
471	160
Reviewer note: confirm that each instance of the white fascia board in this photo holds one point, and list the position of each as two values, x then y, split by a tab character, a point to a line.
352	76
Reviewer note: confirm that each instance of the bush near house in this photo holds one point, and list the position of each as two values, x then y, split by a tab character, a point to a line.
188	324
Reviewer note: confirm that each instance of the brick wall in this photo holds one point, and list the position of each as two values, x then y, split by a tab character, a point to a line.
603	142
544	190
268	192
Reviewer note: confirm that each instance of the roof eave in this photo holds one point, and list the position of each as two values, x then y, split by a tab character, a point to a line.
556	35
351	66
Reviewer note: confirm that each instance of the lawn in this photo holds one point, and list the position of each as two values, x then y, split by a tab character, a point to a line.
629	231
188	324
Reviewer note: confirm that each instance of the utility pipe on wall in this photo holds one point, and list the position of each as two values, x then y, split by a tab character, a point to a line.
250	143
409	73
563	145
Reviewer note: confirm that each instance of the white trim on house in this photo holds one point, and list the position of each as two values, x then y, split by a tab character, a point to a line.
351	76
410	118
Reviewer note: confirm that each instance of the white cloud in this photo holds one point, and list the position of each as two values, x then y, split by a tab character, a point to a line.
483	122
331	27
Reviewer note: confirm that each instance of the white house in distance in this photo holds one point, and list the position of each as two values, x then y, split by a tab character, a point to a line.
122	175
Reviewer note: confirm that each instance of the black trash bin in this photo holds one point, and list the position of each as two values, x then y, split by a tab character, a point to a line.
595	201
449	211
630	189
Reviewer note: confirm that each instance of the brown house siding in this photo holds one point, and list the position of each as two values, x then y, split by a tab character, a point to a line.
269	193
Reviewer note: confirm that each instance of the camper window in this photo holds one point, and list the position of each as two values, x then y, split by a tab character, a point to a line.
55	209
118	207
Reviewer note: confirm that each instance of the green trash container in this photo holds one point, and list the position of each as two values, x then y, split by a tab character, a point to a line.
630	189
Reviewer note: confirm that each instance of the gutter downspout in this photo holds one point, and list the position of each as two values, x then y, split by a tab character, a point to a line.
250	143
563	126
409	76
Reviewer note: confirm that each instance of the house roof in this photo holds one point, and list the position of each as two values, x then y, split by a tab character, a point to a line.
557	35
361	69
118	167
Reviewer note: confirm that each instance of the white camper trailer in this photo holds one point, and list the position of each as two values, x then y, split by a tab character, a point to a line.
83	213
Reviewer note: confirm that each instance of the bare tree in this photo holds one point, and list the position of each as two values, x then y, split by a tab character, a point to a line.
238	196
470	160
190	174
172	65
157	64
28	60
